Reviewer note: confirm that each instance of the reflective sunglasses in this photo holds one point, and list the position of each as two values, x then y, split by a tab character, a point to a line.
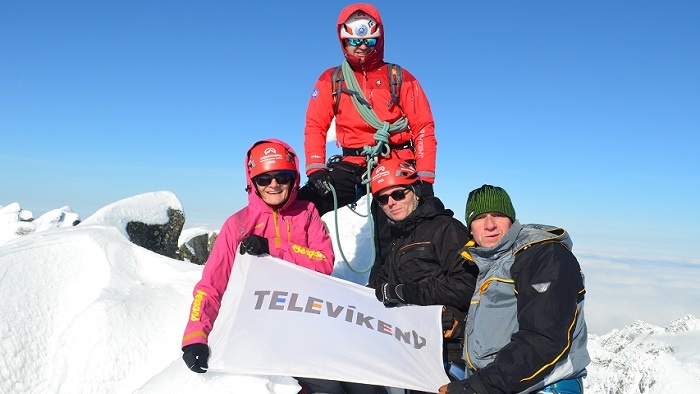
356	42
397	195
282	178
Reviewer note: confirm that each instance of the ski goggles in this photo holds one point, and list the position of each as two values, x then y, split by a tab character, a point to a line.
396	195
282	178
356	42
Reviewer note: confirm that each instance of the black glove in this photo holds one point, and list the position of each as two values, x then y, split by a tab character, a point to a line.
453	321
196	356
470	385
255	245
390	294
321	181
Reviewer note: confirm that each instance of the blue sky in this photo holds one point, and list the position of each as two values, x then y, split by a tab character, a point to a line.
588	113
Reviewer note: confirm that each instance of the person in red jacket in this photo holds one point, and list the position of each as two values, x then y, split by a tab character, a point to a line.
401	124
274	222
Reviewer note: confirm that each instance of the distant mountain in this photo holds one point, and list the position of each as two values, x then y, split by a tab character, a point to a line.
642	358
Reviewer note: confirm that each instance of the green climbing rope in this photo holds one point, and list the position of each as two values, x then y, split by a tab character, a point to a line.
370	152
337	234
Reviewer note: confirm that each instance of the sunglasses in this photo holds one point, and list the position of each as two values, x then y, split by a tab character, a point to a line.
356	42
397	195
282	178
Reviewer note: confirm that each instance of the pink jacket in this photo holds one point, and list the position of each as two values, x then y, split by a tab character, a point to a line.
295	233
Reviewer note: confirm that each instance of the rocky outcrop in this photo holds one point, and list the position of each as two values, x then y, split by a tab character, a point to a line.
197	247
154	221
151	220
159	238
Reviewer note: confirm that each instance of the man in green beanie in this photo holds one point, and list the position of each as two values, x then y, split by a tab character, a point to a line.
525	330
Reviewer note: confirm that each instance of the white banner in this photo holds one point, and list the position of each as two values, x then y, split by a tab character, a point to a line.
277	318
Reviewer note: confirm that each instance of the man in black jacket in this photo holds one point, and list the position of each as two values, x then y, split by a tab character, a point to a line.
423	266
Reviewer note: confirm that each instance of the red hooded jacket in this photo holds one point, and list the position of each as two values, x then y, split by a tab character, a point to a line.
352	130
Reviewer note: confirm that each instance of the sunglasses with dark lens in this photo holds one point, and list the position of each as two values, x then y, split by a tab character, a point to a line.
356	42
282	178
397	195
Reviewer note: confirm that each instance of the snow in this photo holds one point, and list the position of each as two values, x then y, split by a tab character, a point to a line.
189	233
643	358
147	207
86	311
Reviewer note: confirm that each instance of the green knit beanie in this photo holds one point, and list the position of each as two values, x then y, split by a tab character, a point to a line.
488	198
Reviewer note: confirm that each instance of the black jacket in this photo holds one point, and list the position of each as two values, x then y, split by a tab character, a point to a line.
425	258
526	329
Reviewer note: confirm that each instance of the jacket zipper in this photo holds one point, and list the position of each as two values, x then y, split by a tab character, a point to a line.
277	229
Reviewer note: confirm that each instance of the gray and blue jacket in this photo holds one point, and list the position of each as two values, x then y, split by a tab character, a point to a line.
525	328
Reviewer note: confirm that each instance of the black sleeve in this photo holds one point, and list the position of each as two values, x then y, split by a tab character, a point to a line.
548	284
379	273
382	245
379	278
454	284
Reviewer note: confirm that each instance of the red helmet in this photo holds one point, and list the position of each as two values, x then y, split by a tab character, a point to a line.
393	172
269	156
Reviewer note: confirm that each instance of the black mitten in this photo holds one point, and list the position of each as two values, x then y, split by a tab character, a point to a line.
321	181
196	356
390	294
471	385
255	245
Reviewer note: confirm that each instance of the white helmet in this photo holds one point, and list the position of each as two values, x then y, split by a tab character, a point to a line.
360	25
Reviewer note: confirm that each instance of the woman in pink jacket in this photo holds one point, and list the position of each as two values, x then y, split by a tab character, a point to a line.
273	223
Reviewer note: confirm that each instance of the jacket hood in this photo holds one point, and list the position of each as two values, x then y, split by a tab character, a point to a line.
374	59
254	198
